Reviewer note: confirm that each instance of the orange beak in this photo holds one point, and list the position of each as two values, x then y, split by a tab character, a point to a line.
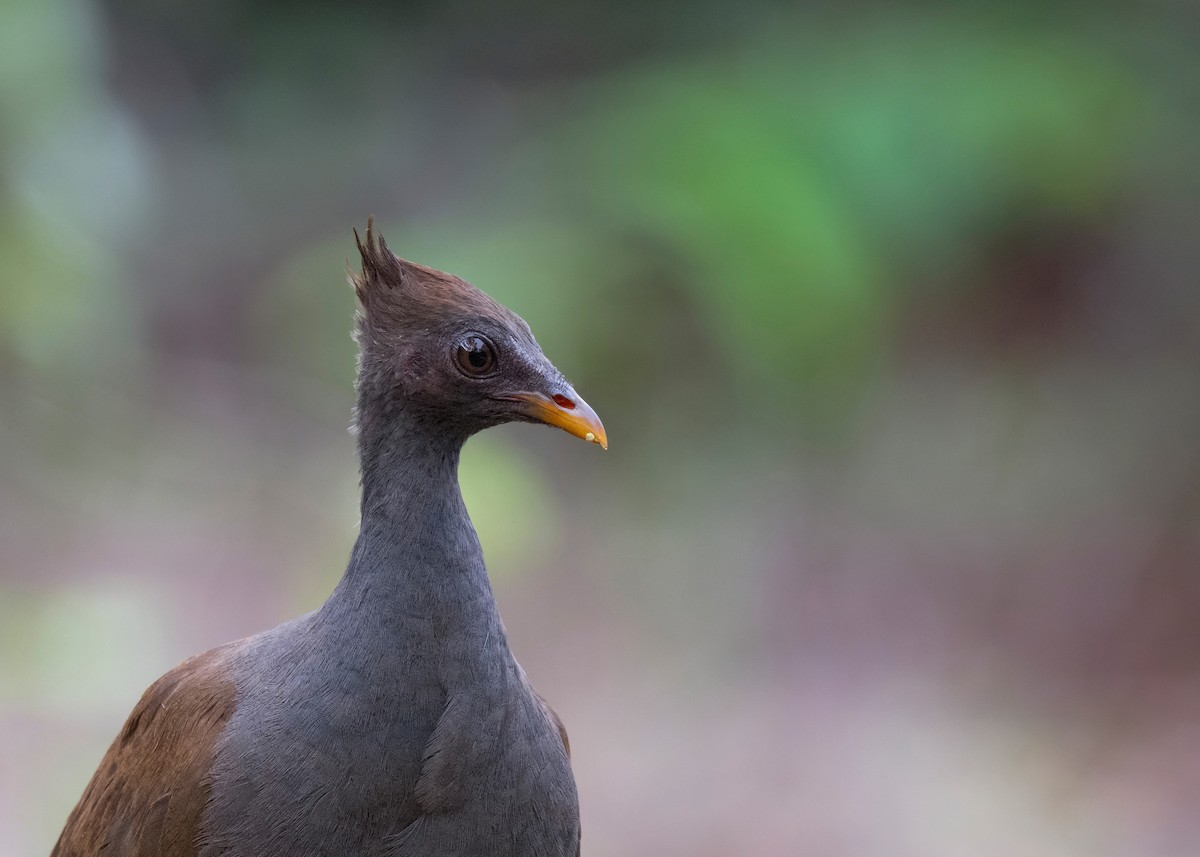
567	412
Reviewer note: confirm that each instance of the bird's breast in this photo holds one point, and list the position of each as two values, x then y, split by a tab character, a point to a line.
387	755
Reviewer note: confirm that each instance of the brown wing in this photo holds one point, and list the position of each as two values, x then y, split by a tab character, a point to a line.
557	721
566	742
149	793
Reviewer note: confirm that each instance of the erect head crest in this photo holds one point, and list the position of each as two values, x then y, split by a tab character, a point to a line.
381	268
396	293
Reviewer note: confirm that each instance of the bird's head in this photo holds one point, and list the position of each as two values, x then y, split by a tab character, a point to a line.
450	354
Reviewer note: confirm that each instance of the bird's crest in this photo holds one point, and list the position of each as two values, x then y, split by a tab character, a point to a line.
395	293
381	268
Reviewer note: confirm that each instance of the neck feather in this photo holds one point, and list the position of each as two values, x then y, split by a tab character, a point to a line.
417	566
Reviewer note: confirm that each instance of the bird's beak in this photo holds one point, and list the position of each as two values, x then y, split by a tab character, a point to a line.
566	411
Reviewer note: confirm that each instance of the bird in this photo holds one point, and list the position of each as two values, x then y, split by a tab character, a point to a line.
394	719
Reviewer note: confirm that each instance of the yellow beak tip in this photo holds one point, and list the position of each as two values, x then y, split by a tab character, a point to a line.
576	417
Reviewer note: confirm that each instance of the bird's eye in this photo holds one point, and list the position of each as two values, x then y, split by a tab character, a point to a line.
476	356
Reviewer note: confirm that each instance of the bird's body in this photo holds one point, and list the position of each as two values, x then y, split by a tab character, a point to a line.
393	720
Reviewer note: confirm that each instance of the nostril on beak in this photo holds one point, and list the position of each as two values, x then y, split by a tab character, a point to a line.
563	402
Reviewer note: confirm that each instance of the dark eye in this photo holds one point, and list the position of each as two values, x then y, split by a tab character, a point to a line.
476	356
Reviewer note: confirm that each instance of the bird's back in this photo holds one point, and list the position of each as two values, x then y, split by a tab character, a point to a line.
148	796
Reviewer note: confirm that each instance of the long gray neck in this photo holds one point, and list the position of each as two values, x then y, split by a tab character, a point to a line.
416	575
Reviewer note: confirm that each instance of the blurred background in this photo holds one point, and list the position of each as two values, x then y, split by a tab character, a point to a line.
891	312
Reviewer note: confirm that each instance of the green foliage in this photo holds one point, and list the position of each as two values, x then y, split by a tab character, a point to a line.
805	190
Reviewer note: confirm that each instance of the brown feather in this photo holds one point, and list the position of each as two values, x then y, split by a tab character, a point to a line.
556	720
149	793
396	295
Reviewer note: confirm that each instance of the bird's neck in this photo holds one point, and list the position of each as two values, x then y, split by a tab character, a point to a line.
417	568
